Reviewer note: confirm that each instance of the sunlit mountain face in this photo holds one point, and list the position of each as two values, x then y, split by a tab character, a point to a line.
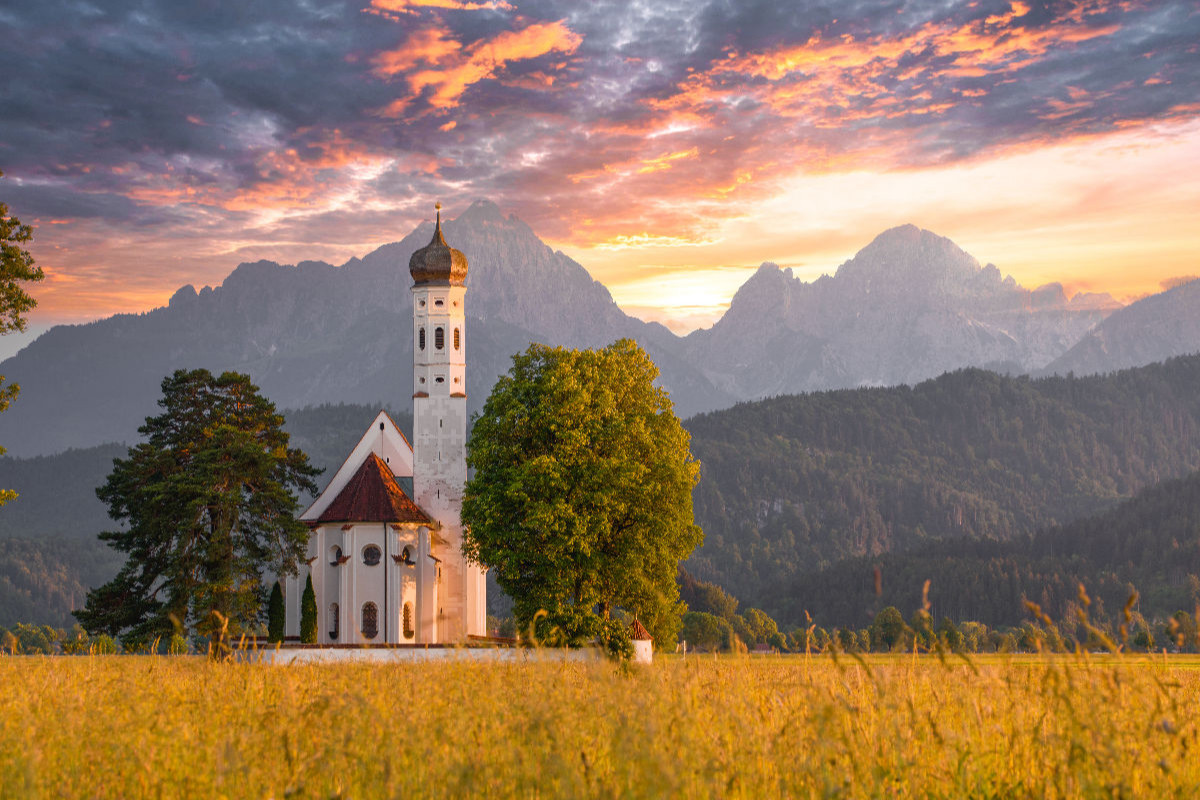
669	147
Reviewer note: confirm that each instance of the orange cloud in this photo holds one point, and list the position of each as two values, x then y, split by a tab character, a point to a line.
390	7
431	46
664	162
449	68
857	77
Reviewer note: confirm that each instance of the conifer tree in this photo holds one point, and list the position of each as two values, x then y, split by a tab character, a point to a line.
308	613
276	616
209	505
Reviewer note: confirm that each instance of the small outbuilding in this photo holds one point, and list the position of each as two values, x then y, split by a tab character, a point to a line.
643	643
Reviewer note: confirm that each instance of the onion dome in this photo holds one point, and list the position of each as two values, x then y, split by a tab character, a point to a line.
438	262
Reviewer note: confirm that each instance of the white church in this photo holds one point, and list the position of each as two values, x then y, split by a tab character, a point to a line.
385	549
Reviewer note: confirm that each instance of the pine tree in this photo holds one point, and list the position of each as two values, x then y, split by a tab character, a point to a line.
308	614
276	615
209	503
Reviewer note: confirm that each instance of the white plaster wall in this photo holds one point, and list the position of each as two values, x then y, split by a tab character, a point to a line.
439	452
643	651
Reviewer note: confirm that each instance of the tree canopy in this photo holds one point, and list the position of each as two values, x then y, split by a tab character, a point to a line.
209	505
581	499
16	269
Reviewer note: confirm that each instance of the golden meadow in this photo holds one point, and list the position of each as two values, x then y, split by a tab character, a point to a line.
697	726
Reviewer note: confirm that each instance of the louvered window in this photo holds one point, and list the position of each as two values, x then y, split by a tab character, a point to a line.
370	621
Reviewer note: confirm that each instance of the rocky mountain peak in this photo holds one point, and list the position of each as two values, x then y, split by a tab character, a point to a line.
482	211
907	258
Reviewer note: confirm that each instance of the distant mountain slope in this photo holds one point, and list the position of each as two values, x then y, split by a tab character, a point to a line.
909	306
1152	329
1151	542
315	333
793	484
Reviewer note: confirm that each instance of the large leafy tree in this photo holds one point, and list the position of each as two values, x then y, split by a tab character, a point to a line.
581	499
209	505
16	269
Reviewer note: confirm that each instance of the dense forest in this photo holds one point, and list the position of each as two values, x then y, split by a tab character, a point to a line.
1150	544
794	484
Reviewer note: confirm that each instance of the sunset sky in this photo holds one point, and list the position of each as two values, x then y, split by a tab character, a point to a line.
669	147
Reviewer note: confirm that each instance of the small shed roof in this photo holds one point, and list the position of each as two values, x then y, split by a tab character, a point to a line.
373	495
639	632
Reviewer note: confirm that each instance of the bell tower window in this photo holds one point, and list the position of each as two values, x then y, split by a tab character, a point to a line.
439	338
421	339
457	339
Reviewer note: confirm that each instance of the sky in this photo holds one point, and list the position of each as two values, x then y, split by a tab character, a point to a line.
669	147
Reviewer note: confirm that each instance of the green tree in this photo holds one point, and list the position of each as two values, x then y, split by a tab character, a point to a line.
705	632
581	500
707	597
951	637
276	616
209	506
308	613
888	629
16	269
756	626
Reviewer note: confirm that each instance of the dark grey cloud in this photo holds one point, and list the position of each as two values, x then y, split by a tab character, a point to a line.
115	99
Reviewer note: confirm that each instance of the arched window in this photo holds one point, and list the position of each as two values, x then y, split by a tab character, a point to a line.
439	337
371	555
421	339
335	556
439	302
409	632
334	626
370	621
457	339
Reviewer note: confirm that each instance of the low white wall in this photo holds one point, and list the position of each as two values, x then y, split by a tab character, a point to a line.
396	655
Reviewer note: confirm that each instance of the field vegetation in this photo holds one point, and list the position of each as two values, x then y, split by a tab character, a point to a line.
894	726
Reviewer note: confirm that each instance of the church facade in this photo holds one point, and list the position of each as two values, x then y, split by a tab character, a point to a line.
385	548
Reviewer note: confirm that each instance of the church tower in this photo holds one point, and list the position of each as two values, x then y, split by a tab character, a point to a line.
439	293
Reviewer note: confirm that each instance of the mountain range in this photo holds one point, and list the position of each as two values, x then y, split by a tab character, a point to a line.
909	306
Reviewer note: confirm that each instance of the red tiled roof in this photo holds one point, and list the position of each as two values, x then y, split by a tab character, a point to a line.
373	495
639	632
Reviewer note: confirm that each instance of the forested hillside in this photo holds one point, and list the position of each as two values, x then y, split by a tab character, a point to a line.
1151	542
793	484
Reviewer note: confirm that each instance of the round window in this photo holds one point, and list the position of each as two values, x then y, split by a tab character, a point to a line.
371	555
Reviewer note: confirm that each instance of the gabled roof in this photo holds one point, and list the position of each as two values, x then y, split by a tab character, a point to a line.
373	495
383	438
639	633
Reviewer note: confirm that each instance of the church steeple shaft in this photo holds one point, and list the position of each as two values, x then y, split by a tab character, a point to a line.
440	424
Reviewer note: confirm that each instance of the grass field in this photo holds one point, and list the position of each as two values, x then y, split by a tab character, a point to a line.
694	727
